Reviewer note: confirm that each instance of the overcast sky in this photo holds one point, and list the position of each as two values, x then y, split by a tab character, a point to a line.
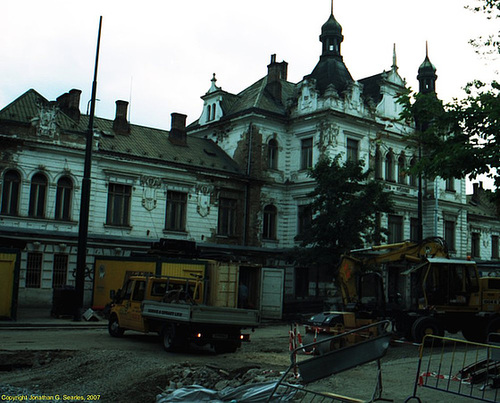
161	54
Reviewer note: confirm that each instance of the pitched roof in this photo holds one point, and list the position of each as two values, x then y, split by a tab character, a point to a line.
143	143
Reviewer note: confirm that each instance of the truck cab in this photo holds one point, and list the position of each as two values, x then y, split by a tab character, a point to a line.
127	302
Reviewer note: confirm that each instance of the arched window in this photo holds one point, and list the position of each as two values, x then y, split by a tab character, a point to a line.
10	193
269	222
413	177
402	169
389	167
209	112
378	164
272	154
214	108
64	197
38	195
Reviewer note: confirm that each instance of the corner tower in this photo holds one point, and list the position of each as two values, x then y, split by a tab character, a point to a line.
331	69
427	75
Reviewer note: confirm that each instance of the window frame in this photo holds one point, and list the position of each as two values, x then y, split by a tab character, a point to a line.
304	218
119	204
395	226
60	270
450	231
306	153
11	188
475	245
64	199
389	167
272	154
402	169
226	221
175	211
34	263
38	196
352	152
269	222
495	247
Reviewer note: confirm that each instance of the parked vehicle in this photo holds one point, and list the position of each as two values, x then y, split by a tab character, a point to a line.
175	308
450	294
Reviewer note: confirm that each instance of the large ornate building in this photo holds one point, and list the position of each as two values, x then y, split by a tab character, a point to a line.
235	182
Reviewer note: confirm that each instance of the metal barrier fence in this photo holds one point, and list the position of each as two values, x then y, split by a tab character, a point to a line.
369	344
459	367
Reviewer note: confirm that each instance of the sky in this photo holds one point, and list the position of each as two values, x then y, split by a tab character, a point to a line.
160	55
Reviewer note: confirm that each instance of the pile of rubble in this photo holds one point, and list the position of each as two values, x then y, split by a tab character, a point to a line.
186	379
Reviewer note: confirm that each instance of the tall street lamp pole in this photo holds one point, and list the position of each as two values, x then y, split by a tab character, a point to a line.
85	197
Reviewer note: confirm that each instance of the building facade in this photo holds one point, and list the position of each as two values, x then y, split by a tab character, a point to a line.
235	182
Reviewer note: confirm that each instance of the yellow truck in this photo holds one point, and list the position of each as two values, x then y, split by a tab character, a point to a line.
451	295
176	309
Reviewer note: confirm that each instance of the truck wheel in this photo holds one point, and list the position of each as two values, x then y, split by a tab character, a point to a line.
475	331
114	328
169	338
426	325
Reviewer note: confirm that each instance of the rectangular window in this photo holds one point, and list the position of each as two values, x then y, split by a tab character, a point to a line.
450	184
395	229
449	234
63	199
10	193
494	247
118	204
306	160
37	196
227	217
414	236
352	150
59	273
269	222
304	219
176	211
301	282
475	245
34	270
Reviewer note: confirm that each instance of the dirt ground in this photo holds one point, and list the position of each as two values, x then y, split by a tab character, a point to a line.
89	365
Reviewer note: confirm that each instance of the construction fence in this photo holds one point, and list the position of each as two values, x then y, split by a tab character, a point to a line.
459	368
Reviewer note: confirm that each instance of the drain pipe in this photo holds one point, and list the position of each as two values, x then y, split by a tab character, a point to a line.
247	185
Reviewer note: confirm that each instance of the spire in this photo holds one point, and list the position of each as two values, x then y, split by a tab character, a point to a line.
394	59
213	87
427	74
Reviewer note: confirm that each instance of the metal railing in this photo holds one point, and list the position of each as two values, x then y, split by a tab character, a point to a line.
459	367
375	342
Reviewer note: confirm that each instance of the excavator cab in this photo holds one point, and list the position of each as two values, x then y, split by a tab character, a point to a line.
449	283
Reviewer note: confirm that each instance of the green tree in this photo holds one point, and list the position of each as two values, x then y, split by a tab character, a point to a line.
344	207
462	137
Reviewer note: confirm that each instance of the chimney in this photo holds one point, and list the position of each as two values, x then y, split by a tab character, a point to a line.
178	129
69	103
275	73
477	190
120	124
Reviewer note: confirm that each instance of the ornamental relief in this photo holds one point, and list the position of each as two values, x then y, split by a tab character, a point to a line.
150	184
328	135
45	122
203	195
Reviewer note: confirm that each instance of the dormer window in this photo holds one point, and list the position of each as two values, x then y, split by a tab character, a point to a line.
214	108
209	112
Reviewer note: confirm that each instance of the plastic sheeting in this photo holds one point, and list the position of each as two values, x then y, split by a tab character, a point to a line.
251	393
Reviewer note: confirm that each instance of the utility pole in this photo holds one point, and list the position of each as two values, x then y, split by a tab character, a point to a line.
85	197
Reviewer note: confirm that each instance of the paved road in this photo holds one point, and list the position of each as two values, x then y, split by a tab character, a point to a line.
77	338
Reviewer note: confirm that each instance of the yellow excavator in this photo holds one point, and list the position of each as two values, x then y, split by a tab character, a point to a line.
449	295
